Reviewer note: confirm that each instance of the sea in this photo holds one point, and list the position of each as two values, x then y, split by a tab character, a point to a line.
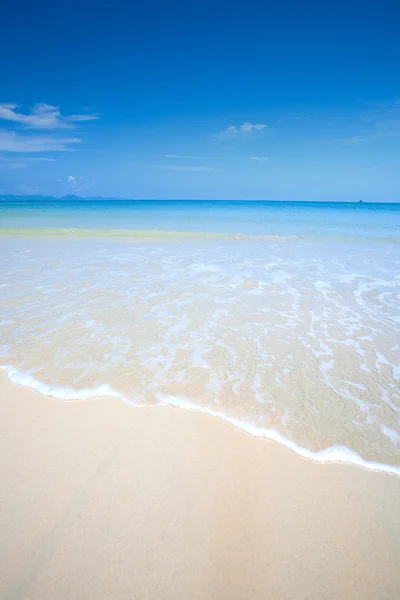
282	318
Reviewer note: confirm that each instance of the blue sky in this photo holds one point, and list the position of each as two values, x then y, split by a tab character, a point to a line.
258	100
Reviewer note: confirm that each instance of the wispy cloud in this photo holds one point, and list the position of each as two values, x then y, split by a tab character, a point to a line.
7	163
379	122
260	159
17	165
42	159
42	116
380	132
234	131
185	168
181	156
10	141
355	139
82	118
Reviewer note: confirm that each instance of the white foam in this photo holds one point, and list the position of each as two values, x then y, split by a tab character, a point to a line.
204	268
27	380
333	454
392	434
197	359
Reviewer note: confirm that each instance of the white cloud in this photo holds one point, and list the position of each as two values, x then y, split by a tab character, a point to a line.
10	141
42	159
355	139
81	118
260	159
246	128
181	156
377	134
381	131
78	185
18	165
27	162
42	116
185	168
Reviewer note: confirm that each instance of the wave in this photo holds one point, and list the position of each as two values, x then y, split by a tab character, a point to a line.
332	454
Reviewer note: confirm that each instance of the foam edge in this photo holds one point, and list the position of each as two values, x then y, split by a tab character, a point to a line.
333	454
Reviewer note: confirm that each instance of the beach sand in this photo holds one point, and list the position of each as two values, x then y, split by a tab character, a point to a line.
99	499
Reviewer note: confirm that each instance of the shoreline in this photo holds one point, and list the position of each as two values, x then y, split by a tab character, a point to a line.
139	235
101	500
340	455
165	235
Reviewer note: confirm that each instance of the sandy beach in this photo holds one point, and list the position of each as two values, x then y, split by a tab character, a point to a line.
100	499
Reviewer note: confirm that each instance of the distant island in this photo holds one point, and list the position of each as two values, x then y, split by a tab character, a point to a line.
73	198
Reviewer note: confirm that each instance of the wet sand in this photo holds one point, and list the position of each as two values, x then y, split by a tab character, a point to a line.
101	500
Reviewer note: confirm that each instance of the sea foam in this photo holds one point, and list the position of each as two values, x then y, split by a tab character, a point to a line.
333	454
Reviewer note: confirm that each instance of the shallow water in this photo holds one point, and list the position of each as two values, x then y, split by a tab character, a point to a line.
296	339
304	219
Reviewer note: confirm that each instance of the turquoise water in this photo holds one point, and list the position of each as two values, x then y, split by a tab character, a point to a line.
281	318
252	218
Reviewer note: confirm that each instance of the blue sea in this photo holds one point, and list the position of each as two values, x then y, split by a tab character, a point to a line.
303	219
283	318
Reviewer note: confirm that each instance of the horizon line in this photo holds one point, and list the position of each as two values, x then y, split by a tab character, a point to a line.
74	197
